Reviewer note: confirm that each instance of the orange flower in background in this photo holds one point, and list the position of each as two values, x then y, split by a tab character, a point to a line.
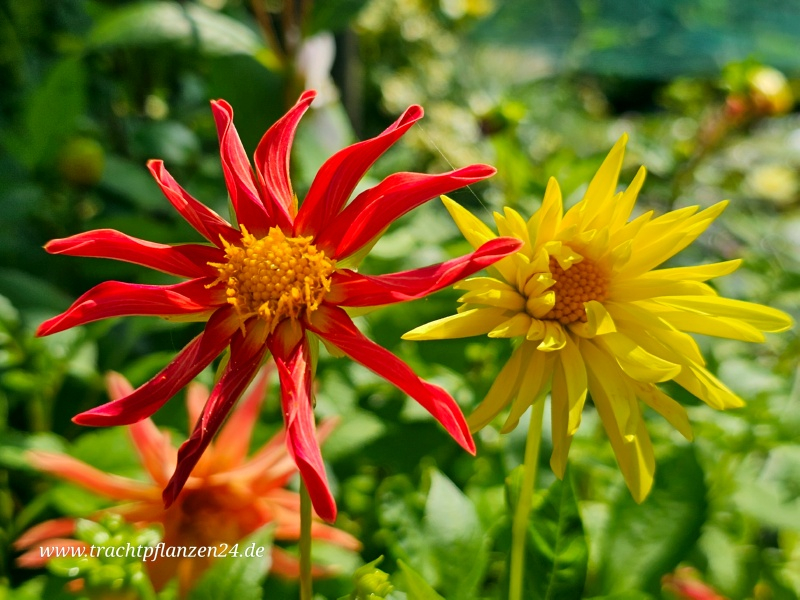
227	496
262	286
685	584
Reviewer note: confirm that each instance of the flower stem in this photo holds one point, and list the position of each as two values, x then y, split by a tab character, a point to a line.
519	527
306	592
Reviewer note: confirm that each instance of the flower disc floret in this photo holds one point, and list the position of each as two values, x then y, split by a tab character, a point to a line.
581	282
275	277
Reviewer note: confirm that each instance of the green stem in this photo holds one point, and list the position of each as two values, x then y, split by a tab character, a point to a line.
519	527
306	588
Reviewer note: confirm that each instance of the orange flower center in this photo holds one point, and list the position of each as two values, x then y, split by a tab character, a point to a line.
581	282
275	277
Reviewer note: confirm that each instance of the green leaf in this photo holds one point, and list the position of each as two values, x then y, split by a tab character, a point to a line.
333	15
238	577
415	586
183	25
443	539
556	551
643	542
51	113
26	291
455	537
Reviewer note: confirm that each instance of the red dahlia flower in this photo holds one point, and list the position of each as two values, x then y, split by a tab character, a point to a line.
264	285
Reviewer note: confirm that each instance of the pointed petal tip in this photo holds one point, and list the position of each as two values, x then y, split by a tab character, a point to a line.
413	113
307	97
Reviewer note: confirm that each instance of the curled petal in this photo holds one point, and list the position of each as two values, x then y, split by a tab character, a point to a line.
337	178
239	371
151	396
250	210
294	371
118	299
333	324
205	221
187	260
353	289
373	210
272	159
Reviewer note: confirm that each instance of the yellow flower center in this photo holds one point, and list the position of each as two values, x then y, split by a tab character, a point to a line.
275	277
581	282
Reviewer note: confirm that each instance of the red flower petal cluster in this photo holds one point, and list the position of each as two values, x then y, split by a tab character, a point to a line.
262	286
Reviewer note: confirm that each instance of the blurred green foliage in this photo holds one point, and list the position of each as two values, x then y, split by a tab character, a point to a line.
94	88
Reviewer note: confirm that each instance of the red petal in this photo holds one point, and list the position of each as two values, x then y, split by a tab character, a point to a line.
337	178
187	260
298	415
148	398
233	440
238	373
54	528
373	210
153	447
272	160
37	558
349	288
118	299
333	324
207	223
250	210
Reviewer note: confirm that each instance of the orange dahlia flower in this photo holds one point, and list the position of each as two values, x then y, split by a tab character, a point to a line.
264	285
227	496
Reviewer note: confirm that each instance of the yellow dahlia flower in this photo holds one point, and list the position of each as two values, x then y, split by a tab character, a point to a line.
593	316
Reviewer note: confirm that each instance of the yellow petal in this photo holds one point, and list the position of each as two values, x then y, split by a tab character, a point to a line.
672	411
723	327
709	389
536	331
624	207
595	202
533	387
476	321
539	306
615	401
511	224
554	337
664	237
509	300
545	222
599	321
504	389
517	325
635	361
643	288
646	327
473	229
482	284
696	272
571	367
764	318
